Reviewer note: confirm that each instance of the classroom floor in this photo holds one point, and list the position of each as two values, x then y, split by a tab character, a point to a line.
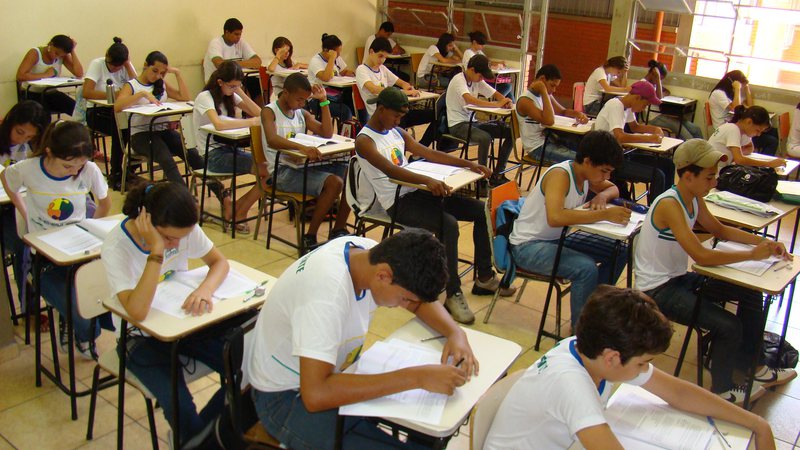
38	417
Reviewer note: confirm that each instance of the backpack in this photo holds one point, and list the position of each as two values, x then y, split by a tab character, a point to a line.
789	355
350	128
506	214
757	183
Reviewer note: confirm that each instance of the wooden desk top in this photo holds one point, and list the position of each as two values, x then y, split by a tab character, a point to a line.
55	255
667	145
746	220
501	112
772	282
568	125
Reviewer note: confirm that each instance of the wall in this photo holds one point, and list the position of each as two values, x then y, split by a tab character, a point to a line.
179	28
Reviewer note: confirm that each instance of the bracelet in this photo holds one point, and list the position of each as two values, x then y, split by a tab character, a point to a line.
324	103
156	258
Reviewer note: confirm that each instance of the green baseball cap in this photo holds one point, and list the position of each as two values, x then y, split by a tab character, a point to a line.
391	98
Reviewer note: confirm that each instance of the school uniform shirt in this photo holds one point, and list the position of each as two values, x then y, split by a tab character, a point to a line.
658	257
718	103
313	311
553	400
728	135
318	64
592	91
382	77
55	202
531	131
286	127
613	115
202	104
218	48
140	123
41	67
99	73
370	39
390	145
426	63
468	54
16	153
124	258
531	225
277	82
457	111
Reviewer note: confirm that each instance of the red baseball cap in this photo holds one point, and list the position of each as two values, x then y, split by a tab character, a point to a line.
645	90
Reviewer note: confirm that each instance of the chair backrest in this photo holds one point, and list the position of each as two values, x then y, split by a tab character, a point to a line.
709	122
482	415
266	83
784	125
497	195
515	133
91	288
416	58
358	101
360	54
577	95
239	411
256	147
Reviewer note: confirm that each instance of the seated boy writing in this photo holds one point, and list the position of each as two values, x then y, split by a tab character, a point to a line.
284	119
381	147
621	111
313	326
661	258
562	396
536	109
554	203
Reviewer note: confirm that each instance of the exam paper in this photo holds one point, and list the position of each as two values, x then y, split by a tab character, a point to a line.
755	267
71	240
55	81
434	170
235	283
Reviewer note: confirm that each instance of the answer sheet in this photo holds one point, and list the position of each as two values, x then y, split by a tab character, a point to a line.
434	170
72	240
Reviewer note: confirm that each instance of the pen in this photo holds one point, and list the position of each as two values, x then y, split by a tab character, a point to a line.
459	362
719	433
431	338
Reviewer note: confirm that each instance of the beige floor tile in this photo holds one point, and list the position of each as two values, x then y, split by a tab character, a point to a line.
781	412
276	268
249	252
386	320
525	360
162	425
459	442
135	436
18	380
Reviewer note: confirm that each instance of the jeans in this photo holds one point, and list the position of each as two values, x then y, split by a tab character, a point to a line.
104	121
767	142
53	101
150	359
483	133
688	129
578	263
285	417
639	168
166	145
734	338
13	244
441	216
593	108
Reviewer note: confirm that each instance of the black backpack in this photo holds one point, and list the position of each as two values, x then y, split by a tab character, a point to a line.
757	183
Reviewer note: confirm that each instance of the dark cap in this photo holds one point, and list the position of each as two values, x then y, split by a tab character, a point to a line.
480	64
391	98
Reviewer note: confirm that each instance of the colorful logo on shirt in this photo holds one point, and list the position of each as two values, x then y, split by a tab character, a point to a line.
60	209
351	358
397	157
290	135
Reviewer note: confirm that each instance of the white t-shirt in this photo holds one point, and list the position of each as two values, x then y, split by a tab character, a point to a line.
124	259
468	54
718	103
383	77
793	144
592	91
613	115
313	311
531	131
370	39
99	73
202	104
318	64
728	135
140	123
426	63
277	82
16	153
55	202
457	111
218	48
551	402
390	145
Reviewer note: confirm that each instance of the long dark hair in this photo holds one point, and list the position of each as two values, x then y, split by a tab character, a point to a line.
26	111
152	58
444	40
67	140
227	71
169	204
279	42
726	83
757	114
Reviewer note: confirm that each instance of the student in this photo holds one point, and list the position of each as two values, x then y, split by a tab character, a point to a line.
313	326
231	46
59	177
536	109
282	120
117	69
656	73
610	77
464	89
158	237
562	396
477	42
793	143
326	65
46	62
283	50
731	91
553	204
164	142
444	51
372	77
385	30
620	111
221	103
381	147
734	139
661	257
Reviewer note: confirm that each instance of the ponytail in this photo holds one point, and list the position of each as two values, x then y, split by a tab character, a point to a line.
757	114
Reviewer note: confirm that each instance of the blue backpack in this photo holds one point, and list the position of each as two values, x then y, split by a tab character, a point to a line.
506	214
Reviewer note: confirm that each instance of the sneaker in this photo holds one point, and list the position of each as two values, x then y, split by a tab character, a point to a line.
308	243
63	340
86	350
335	234
490	286
769	377
457	306
736	394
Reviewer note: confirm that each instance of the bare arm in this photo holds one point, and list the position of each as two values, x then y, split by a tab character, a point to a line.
182	93
497	103
103	207
613	88
457	348
254	62
24	70
527	108
741	158
555	185
632	138
126	98
599	437
73	63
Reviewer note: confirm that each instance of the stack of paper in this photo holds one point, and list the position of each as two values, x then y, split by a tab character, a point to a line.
56	81
434	170
342	80
80	237
172	292
757	268
311	141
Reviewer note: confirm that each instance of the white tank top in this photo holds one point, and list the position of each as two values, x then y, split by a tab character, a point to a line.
391	146
40	67
531	131
658	256
531	225
286	127
141	123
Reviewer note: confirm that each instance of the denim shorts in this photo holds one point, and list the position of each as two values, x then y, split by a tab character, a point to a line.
291	179
220	160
